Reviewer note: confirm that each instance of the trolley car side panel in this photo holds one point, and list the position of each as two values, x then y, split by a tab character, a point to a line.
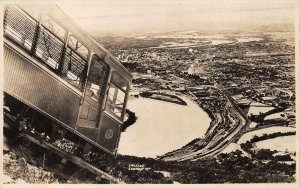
31	84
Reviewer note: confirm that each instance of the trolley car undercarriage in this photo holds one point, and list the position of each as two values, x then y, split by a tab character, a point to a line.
36	133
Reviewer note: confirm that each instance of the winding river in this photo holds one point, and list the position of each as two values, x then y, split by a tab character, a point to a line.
162	127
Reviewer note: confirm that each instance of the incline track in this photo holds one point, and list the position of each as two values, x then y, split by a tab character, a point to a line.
11	135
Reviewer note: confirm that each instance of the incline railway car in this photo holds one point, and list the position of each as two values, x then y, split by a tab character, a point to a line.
67	81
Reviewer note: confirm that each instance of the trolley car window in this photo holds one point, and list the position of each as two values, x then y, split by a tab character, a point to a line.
19	27
53	27
49	48
116	95
96	78
78	47
50	42
75	63
119	81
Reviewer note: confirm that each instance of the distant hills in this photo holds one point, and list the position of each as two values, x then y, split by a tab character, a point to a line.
277	28
125	42
148	40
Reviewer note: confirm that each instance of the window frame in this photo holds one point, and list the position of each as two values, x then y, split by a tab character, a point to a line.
121	117
106	77
87	60
76	51
43	25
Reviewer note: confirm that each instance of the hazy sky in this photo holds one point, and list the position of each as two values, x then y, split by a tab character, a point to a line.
140	16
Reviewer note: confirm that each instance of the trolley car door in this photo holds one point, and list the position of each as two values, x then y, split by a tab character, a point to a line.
88	118
113	115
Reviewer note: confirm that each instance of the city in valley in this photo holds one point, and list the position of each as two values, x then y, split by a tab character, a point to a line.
243	80
174	93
